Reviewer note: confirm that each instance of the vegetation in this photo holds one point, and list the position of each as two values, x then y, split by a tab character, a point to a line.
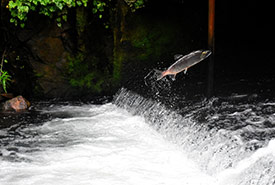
21	8
5	78
58	8
84	74
135	4
83	70
152	40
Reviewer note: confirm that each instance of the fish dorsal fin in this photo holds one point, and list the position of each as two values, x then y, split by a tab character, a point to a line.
177	56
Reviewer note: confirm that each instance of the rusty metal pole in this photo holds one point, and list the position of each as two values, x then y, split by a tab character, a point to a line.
211	42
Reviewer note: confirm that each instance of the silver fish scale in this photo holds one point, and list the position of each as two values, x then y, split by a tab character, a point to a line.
186	61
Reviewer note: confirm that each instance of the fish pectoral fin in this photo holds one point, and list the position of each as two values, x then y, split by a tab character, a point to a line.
185	70
174	77
177	56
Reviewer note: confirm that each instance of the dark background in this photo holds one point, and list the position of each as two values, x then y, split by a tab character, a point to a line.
243	31
243	44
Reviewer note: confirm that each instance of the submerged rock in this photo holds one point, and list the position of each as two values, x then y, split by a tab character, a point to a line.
16	104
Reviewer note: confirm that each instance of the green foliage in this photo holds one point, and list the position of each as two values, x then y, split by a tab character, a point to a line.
135	4
20	8
84	74
98	7
152	40
5	78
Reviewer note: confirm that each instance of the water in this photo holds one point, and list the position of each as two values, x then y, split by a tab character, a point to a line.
136	140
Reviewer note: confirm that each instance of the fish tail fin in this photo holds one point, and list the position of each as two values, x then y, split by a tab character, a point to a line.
159	74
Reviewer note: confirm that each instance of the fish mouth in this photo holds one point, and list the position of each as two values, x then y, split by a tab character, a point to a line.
205	53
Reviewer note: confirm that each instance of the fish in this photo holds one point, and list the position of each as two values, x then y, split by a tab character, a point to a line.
183	63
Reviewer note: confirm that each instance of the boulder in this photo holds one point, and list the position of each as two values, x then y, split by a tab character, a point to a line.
49	61
16	104
48	50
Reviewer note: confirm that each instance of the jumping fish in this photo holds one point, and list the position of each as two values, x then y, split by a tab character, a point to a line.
183	63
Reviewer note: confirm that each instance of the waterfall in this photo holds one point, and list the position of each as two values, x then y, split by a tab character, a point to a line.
220	148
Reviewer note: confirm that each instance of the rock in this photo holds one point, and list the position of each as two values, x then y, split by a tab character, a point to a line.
48	50
17	104
49	61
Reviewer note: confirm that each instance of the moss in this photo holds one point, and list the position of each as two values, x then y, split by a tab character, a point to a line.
119	30
152	39
81	19
38	75
139	42
118	63
81	22
91	81
84	74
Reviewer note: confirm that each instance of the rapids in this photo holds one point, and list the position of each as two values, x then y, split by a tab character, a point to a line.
136	140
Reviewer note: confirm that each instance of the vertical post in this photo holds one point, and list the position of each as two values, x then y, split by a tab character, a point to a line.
211	39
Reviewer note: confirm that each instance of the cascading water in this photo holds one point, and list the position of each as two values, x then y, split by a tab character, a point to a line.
233	142
135	140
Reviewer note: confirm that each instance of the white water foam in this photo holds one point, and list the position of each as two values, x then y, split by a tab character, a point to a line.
262	161
217	151
140	141
104	145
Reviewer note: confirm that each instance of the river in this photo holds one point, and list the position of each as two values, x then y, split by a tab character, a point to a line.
134	140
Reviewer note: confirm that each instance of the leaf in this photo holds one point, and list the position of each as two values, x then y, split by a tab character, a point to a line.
79	3
94	10
1	76
52	9
12	20
4	79
20	16
85	2
59	5
5	87
58	19
32	8
64	17
25	9
12	4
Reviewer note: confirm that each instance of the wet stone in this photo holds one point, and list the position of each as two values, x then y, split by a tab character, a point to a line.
16	104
